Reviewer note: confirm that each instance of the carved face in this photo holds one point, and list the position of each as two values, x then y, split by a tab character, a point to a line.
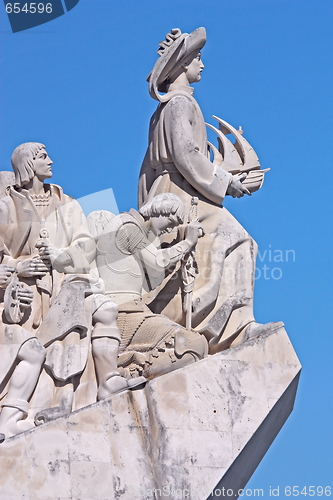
42	165
163	224
194	69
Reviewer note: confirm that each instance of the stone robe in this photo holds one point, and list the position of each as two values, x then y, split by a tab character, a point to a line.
20	226
177	161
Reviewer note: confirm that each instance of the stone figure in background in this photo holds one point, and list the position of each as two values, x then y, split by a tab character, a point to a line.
48	243
127	253
177	162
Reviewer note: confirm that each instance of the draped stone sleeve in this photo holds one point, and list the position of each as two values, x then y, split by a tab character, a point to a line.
208	179
4	218
132	240
147	177
82	248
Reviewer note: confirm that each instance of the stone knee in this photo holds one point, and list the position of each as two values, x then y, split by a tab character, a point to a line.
32	351
106	315
17	404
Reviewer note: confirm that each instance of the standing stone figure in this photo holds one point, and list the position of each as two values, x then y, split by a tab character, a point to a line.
177	162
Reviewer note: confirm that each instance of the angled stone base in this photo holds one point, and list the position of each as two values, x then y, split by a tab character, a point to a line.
188	432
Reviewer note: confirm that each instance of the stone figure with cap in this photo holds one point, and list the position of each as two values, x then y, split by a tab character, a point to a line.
128	257
178	161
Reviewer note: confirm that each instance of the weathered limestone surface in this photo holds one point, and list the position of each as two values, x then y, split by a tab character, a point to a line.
190	430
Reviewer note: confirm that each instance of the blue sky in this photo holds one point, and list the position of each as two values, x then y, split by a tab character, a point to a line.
78	84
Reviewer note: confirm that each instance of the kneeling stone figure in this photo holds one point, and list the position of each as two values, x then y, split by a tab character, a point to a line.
151	344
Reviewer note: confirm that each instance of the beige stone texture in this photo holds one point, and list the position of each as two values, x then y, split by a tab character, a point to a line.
189	431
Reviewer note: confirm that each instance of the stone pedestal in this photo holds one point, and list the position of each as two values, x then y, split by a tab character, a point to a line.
187	433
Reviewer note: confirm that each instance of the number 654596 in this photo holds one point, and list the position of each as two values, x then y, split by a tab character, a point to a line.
31	8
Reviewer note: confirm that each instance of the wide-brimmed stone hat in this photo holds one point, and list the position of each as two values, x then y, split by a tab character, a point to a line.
173	51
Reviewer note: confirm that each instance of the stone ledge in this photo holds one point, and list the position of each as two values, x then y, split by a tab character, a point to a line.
207	425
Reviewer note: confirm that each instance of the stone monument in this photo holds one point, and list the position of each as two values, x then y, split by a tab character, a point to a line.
132	365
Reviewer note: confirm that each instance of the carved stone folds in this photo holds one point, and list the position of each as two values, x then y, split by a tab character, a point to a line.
193	430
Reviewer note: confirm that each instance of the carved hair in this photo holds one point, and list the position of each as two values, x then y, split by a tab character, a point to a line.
164	204
22	162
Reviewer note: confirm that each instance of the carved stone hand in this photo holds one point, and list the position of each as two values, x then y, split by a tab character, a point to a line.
5	274
193	232
32	267
236	188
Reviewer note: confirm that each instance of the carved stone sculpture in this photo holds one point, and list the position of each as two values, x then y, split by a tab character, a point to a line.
177	161
159	299
50	254
127	252
193	431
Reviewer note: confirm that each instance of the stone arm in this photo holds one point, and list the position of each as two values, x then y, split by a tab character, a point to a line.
25	266
132	240
208	179
79	254
146	180
161	259
24	294
77	250
4	220
82	249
